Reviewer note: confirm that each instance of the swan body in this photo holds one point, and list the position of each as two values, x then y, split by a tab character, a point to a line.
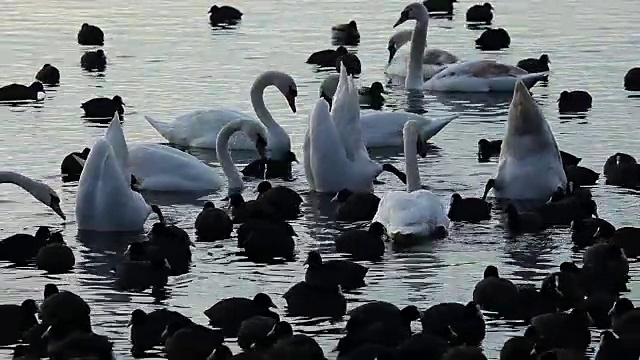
200	128
384	128
163	168
415	212
481	76
433	60
39	190
105	201
530	166
333	144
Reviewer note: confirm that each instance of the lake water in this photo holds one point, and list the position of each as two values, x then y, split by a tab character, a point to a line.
165	60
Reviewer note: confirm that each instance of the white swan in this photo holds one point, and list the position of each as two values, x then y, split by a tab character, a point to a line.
105	201
530	166
415	212
433	60
39	190
158	167
200	128
250	127
418	12
384	128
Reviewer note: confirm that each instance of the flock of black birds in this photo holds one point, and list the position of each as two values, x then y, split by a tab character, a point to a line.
558	315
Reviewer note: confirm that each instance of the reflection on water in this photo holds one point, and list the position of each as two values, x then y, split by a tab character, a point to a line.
178	63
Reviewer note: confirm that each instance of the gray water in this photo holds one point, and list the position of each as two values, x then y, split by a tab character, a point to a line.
165	60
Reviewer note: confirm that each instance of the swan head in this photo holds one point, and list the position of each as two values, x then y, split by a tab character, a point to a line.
414	11
396	41
46	195
287	86
328	87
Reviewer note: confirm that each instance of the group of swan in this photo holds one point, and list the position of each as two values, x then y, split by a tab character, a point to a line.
105	200
469	76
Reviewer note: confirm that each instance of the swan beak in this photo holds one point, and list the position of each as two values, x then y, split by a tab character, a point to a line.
392	52
291	99
404	16
56	208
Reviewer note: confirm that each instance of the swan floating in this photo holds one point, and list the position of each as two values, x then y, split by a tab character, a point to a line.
416	212
433	60
418	12
200	128
530	166
335	157
39	190
384	128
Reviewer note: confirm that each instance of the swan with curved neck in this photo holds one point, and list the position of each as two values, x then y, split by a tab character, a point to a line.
434	60
200	128
39	190
530	167
254	131
418	12
415	212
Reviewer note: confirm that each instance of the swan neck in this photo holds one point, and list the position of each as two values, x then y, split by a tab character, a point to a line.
416	54
411	161
224	156
257	101
10	177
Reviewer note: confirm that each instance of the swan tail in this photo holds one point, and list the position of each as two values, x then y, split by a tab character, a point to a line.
434	127
163	128
530	80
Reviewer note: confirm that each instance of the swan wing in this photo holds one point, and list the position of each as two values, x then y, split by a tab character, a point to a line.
105	201
418	213
342	115
200	128
384	129
308	172
163	168
115	137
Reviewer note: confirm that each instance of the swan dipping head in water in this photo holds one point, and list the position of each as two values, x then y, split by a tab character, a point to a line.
39	190
530	166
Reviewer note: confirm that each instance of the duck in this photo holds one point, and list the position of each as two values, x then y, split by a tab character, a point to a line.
71	168
63	307
488	149
464	352
327	58
49	75
22	248
421	345
351	62
622	169
574	101
433	60
95	201
355	206
362	244
39	190
224	15
65	342
90	35
103	107
261	227
613	347
533	65
139	275
383	129
441	6
494	293
494	39
56	257
625	237
213	224
228	314
347	274
372	95
480	13
19	92
588	231
187	340
528	146
581	176
563	330
632	79
415	212
19	318
294	346
466	321
523	222
147	328
625	319
346	34
173	243
520	347
565	286
200	128
304	299
265	168
281	198
606	267
256	331
468	209
335	140
243	211
93	60
567	209
265	243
